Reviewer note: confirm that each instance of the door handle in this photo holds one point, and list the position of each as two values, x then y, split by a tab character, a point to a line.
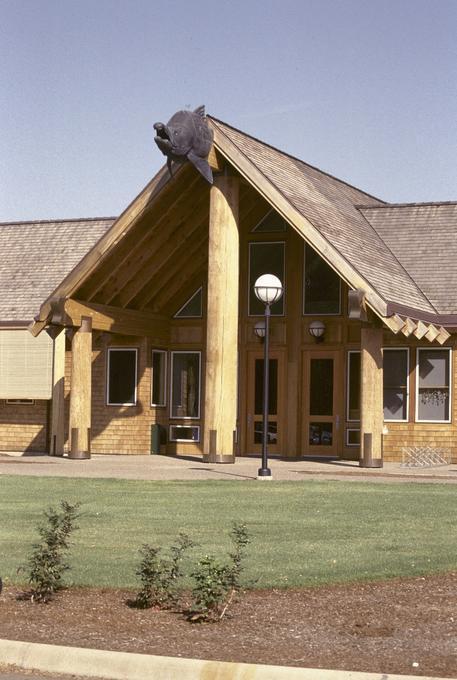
337	422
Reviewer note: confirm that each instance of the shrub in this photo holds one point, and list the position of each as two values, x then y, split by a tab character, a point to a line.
159	576
217	583
47	563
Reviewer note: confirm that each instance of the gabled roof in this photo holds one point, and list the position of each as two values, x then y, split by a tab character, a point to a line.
423	237
352	230
36	256
330	219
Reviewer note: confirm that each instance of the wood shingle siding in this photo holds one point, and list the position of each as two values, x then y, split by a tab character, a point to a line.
23	427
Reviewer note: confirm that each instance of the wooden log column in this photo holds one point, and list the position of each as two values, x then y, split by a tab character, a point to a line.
222	322
81	389
371	397
58	396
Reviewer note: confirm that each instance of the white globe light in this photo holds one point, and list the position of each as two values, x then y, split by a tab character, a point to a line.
259	329
268	289
316	329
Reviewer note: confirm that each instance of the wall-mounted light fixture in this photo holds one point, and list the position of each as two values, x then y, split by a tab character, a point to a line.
259	329
317	330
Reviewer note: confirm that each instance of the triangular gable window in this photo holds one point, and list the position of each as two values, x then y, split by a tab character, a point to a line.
193	307
272	222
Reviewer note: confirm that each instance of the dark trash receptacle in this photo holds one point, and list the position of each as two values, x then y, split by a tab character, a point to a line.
157	438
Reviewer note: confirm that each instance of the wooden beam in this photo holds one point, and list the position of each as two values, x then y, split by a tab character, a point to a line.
432	333
371	397
166	248
394	322
222	322
357	308
114	319
58	396
409	327
175	278
151	231
81	391
442	336
421	330
215	160
125	222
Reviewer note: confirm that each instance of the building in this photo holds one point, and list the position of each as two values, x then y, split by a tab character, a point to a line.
156	323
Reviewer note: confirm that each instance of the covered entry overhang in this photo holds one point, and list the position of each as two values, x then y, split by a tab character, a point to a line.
179	232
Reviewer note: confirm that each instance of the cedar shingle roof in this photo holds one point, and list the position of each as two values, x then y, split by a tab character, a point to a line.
36	256
423	237
330	205
386	248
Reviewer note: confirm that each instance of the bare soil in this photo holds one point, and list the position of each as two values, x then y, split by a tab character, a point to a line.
399	626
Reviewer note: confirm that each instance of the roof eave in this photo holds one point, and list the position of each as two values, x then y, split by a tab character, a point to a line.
91	260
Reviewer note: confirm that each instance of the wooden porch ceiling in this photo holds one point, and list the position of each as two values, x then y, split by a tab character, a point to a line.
158	261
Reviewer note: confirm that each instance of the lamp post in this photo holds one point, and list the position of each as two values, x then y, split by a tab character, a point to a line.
268	289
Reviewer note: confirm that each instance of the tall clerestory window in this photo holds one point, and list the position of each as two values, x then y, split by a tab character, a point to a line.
321	286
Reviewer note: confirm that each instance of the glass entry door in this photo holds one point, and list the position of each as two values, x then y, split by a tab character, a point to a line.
254	420
323	389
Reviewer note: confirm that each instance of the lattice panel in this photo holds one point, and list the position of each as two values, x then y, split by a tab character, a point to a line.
425	456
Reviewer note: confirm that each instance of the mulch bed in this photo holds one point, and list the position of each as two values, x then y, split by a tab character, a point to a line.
399	626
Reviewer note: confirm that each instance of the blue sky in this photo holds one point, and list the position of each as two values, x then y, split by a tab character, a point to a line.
364	89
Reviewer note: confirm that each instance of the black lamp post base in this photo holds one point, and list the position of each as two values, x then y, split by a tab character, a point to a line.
264	473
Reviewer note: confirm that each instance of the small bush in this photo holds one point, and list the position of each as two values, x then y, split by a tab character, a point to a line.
159	576
216	583
47	563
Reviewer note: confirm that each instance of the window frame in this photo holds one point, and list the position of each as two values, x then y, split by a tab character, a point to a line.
403	349
183	441
178	314
164	353
186	351
283	297
350	420
20	402
352	429
433	349
340	296
121	349
256	229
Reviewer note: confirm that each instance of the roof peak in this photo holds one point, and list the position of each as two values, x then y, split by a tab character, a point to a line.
295	158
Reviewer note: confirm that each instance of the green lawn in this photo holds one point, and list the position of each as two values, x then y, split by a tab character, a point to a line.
303	533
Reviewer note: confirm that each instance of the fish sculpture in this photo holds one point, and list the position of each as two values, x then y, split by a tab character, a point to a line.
186	136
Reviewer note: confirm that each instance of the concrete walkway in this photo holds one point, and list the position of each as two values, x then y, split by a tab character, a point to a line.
192	468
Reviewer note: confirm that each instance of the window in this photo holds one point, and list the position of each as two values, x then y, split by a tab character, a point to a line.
321	286
352	437
23	402
121	382
192	308
272	222
185	385
395	377
433	385
158	377
265	258
184	433
353	386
